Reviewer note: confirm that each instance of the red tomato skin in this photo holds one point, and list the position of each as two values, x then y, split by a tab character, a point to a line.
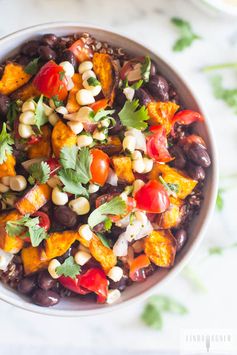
81	51
34	139
73	284
99	167
95	281
54	165
44	220
157	145
137	268
186	117
152	197
48	81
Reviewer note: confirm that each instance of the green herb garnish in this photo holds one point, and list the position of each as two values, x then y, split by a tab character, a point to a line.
39	172
132	117
56	101
32	67
171	188
101	114
12	112
108	224
6	143
187	36
40	116
116	206
69	268
146	69
229	96
93	81
104	240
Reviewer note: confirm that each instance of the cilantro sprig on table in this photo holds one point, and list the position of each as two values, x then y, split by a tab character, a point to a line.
6	143
75	169
27	227
39	172
132	116
187	36
116	206
157	306
69	268
229	96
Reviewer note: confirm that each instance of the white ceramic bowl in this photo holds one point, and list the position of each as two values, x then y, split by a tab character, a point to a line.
71	307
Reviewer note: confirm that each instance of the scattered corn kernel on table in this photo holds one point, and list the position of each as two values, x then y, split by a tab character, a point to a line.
206	287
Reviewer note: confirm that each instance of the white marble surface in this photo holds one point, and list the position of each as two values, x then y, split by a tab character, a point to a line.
122	332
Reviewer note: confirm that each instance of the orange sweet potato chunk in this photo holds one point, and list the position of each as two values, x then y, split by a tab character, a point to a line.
58	243
62	136
105	72
172	217
8	167
7	243
13	78
160	247
32	261
34	199
43	147
25	92
72	104
162	113
104	255
123	168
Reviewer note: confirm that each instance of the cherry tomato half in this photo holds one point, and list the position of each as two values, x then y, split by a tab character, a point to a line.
186	117
157	145
99	167
137	268
152	197
54	165
81	51
44	220
73	284
49	81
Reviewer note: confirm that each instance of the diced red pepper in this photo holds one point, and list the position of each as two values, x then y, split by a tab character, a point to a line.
44	220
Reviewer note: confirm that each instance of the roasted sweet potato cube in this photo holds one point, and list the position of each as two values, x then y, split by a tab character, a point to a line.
72	104
160	247
10	244
32	261
104	255
8	167
13	78
105	72
34	199
43	147
162	113
9	216
172	217
123	168
25	92
58	243
174	176
62	136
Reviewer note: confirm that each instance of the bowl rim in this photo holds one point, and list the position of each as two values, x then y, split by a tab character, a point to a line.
14	36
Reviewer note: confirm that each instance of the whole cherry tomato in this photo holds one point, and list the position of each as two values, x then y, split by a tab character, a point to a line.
99	167
44	220
186	117
49	81
137	268
152	197
157	145
81	51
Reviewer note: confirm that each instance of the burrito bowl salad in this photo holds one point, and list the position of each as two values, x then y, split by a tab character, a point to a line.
101	170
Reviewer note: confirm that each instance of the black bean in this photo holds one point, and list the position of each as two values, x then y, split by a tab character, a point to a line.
117	127
27	285
153	68
46	53
23	60
45	281
120	285
69	56
66	255
180	160
196	172
143	96
120	99
198	154
158	87
181	238
30	48
65	216
49	40
45	298
4	105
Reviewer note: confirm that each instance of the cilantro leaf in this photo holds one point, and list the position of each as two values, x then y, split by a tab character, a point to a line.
56	101
83	164
68	157
101	114
132	117
32	67
108	224
72	182
12	112
173	189
5	144
220	200
93	81
152	317
104	240
186	32
69	268
29	226
229	96
39	172
146	69
116	206
40	116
